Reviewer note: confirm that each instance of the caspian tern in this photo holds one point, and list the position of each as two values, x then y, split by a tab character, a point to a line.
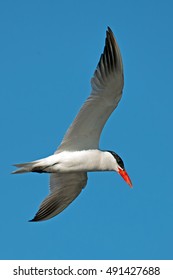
79	150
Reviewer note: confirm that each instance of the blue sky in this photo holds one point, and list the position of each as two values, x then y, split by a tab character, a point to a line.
48	53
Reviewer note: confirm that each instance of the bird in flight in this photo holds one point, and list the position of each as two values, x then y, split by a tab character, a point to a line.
79	151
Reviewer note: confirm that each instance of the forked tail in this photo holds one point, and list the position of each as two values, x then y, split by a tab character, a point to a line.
33	166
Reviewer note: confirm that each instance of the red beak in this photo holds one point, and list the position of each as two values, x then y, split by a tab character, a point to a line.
125	176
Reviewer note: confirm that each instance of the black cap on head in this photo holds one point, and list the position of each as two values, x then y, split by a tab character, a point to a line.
118	159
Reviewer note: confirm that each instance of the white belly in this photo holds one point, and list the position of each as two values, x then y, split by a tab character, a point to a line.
78	161
89	160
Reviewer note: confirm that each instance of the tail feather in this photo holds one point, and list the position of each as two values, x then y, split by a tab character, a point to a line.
27	167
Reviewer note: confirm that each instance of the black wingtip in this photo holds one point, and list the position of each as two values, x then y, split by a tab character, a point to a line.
109	30
33	220
36	219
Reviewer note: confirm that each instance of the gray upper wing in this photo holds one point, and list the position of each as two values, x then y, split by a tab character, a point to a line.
107	84
64	188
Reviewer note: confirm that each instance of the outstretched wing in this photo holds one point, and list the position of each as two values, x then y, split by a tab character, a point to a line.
64	188
107	84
